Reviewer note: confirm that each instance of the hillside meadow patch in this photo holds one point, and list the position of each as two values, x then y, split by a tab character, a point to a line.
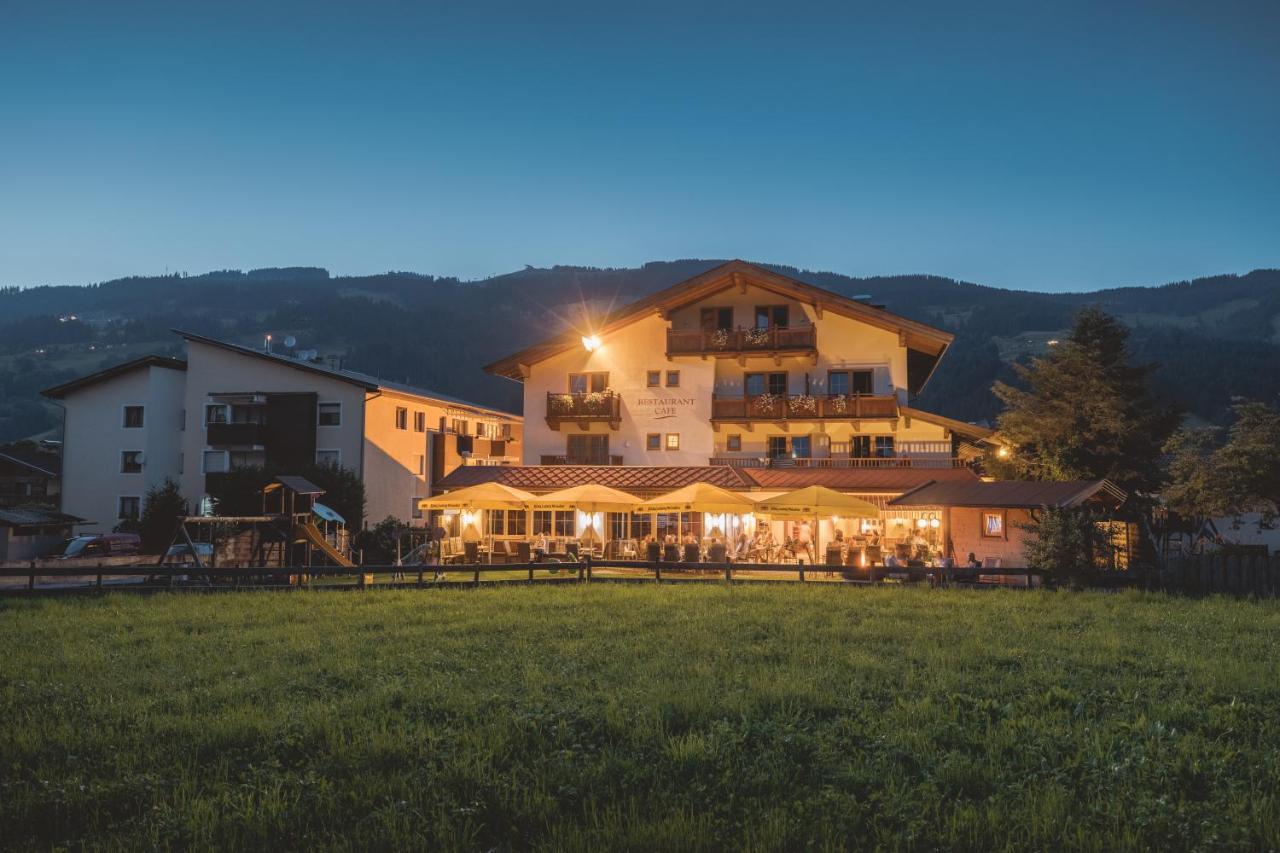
640	717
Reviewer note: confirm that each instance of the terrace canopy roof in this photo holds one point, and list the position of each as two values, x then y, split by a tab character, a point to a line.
700	497
1014	494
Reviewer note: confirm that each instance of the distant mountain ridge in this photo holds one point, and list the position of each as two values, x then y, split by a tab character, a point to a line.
1217	337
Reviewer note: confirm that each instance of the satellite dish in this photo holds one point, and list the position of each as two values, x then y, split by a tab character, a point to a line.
142	458
290	341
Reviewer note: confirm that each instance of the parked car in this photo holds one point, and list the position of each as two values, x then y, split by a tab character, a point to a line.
102	545
183	555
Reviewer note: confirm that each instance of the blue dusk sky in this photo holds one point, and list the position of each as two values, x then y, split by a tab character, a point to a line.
1046	146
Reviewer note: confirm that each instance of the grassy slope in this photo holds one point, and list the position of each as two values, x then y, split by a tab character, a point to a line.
643	717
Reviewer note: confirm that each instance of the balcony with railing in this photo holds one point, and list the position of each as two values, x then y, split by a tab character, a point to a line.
584	459
906	454
236	434
584	408
803	407
769	340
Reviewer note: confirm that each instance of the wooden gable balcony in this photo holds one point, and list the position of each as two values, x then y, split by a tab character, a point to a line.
804	407
737	343
585	409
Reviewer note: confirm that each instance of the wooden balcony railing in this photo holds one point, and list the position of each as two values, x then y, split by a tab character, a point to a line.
762	407
588	459
729	342
593	406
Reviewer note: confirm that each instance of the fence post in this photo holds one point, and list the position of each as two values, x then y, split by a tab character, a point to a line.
588	571
31	581
657	571
476	581
99	575
419	578
728	573
802	571
530	574
582	567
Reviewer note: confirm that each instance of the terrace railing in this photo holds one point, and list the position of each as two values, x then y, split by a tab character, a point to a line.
731	342
759	407
586	408
840	462
585	459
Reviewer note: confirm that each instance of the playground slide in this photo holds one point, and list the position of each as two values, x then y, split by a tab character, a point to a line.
312	534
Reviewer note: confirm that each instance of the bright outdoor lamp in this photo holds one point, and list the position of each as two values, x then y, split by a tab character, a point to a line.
591	342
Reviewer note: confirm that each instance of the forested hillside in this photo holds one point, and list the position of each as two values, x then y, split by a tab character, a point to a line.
1216	337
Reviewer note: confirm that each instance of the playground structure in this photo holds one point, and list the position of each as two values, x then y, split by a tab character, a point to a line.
294	529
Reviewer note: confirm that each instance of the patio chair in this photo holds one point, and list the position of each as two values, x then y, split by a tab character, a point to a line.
853	557
653	552
834	557
671	553
524	552
571	550
718	553
692	553
472	552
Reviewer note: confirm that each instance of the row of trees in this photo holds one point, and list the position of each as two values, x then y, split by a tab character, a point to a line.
1086	411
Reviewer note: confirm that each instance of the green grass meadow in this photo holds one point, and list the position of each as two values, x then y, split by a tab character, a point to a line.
642	718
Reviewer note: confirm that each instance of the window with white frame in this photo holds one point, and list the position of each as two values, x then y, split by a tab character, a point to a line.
131	462
216	413
419	421
214	462
133	417
329	457
329	414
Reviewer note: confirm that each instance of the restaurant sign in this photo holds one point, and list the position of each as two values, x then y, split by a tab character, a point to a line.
661	408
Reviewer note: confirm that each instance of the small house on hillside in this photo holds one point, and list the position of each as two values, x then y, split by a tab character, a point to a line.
989	520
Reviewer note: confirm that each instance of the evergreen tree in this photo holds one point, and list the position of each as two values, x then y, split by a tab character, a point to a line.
1087	412
1066	542
1240	476
164	505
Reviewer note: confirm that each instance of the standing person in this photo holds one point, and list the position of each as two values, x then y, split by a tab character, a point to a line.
804	540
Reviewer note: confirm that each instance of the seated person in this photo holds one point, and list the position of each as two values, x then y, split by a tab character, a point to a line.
973	562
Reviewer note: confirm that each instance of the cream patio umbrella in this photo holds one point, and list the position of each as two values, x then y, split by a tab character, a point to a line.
481	496
589	498
699	497
814	502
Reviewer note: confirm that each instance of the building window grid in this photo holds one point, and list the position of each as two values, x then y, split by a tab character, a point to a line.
133	417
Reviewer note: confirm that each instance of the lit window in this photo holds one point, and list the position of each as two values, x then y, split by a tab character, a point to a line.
402	418
329	414
131	462
133	417
673	441
993	525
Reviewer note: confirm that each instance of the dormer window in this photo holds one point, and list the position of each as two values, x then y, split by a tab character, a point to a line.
772	315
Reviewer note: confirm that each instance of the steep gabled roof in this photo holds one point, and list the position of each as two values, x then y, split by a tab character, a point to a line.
1019	494
58	392
928	341
362	380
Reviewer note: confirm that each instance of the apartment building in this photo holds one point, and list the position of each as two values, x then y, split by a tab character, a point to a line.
228	406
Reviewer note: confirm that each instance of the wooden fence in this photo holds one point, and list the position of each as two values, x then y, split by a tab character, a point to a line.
1227	574
40	579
